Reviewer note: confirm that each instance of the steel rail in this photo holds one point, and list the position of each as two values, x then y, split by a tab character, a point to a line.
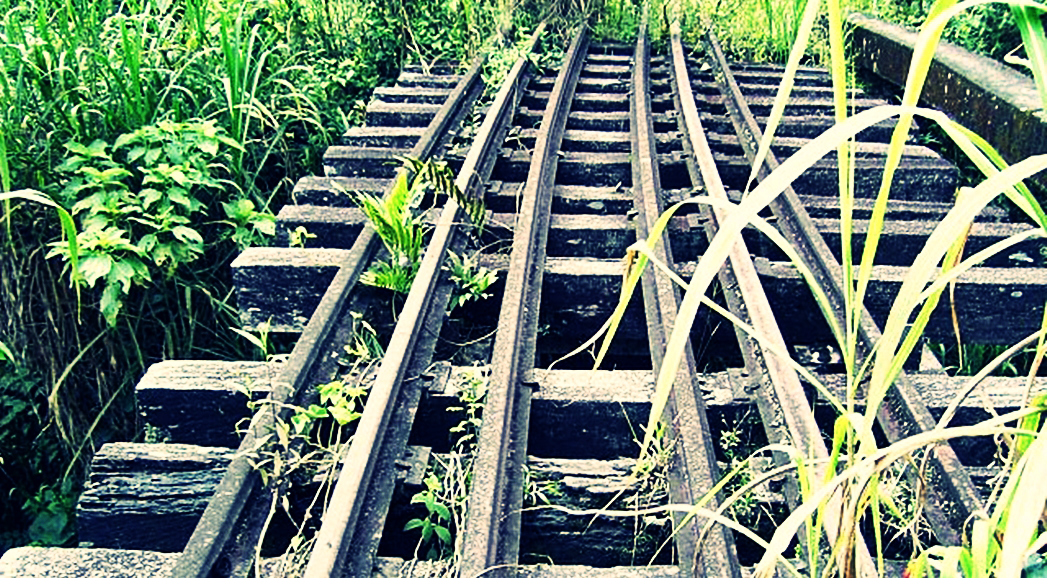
693	471
361	460
903	413
492	527
223	541
776	387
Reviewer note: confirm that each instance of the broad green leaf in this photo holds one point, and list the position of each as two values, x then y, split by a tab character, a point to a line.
343	415
187	235
111	303
443	534
264	224
442	511
94	267
136	153
209	147
122	272
150	196
179	196
179	177
123	140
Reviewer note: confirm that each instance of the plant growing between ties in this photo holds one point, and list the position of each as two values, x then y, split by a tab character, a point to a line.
400	222
471	279
449	476
307	442
435	526
400	225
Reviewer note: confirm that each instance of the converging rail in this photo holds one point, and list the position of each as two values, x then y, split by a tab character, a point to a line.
571	166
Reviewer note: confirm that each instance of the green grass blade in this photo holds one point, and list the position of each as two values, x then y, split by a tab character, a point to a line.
747	212
5	182
990	162
888	363
923	54
67	223
1025	508
862	470
810	15
1027	19
845	178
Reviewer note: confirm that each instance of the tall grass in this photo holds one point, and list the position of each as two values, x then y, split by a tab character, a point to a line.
858	467
169	130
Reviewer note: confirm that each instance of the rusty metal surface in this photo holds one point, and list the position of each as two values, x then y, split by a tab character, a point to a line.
492	527
775	386
694	471
368	468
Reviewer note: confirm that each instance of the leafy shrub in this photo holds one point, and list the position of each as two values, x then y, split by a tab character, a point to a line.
143	205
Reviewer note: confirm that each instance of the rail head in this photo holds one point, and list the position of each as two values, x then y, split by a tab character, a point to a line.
781	401
337	531
492	527
694	471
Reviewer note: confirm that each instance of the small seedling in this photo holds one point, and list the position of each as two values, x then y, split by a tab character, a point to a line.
299	236
260	342
436	523
471	280
363	345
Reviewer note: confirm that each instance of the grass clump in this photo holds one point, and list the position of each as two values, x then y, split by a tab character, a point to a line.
845	493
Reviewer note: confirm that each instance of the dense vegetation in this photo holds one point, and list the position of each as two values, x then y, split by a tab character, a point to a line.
170	129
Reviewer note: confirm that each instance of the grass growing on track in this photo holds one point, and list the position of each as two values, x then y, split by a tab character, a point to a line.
1007	535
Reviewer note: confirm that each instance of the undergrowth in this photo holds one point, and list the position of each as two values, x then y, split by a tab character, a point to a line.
171	130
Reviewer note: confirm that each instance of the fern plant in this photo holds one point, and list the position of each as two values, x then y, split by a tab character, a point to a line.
471	279
399	220
401	227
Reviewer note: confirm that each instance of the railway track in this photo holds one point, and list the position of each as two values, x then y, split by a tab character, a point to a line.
573	164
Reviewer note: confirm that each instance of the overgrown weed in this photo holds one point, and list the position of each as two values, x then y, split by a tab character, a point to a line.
848	487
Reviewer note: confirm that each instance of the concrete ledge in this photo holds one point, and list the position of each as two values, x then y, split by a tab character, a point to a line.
985	96
84	562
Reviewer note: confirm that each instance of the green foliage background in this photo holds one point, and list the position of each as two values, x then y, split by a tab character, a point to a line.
171	129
